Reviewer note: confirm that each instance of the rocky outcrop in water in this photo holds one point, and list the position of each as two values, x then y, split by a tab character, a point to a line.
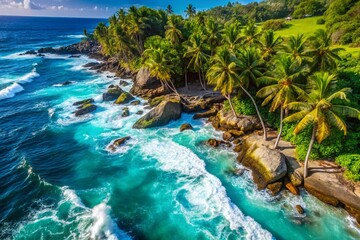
161	115
85	109
112	93
117	143
185	126
124	98
82	102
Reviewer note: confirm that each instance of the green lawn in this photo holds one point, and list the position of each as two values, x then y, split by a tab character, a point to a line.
308	26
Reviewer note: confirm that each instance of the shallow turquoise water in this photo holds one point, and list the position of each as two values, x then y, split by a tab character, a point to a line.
58	181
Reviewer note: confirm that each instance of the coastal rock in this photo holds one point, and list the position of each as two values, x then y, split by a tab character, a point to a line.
237	141
146	86
139	112
160	115
299	209
185	126
125	97
125	112
117	143
66	83
91	64
83	47
86	101
274	188
216	143
123	83
289	186
135	103
85	109
267	165
225	120
227	136
196	104
112	94
238	148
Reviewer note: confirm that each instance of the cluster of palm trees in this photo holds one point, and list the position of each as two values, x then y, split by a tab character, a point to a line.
295	75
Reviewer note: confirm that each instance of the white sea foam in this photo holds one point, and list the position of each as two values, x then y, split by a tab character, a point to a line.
28	77
204	192
74	36
10	91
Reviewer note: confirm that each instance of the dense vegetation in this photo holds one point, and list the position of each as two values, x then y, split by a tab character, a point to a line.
300	82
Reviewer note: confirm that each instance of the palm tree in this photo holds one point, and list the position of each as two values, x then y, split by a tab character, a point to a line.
160	68
169	9
284	88
231	36
296	48
136	27
323	55
251	34
319	110
250	68
196	52
270	45
190	11
173	33
223	74
102	36
212	31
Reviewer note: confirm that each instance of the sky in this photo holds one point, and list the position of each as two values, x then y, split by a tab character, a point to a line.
96	8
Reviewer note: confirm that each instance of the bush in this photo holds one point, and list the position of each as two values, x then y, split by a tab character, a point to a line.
242	106
274	25
352	164
320	21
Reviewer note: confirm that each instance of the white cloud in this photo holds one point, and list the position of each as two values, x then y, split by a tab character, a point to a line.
96	8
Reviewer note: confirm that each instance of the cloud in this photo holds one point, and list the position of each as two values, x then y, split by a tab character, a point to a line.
96	8
30	5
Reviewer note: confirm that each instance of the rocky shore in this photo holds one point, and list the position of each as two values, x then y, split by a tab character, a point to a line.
272	169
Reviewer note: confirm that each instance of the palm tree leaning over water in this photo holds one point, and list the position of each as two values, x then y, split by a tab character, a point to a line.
285	87
320	110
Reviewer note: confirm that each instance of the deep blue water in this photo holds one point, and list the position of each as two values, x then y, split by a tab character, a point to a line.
58	181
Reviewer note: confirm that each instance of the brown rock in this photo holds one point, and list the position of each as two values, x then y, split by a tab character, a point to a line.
207	114
215	143
289	186
238	148
121	141
185	126
275	187
237	141
236	133
227	136
300	209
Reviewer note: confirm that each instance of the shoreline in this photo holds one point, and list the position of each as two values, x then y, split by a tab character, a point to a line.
210	109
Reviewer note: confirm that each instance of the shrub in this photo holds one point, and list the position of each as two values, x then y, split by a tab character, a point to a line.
352	164
320	21
242	106
274	24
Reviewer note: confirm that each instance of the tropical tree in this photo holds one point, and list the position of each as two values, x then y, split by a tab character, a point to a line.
196	52
296	48
136	27
173	32
223	74
320	110
251	34
190	11
250	69
160	67
169	9
213	34
270	45
323	55
231	36
284	87
102	36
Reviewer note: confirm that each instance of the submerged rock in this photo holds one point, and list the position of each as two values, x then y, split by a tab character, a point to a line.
112	93
135	103
125	112
274	188
139	112
86	101
185	126
67	83
117	143
160	115
85	109
125	97
299	209
216	143
124	83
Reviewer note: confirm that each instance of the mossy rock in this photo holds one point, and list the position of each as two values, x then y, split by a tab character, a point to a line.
89	100
125	112
85	109
125	97
112	94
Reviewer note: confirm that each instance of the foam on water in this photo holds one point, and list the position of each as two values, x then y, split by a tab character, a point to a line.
10	91
28	77
204	191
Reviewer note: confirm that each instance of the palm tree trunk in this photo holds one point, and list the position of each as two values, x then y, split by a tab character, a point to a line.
228	97
186	79
201	83
257	111
281	127
309	151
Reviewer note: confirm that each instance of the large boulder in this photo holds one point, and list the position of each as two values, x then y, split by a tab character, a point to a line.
226	120
185	126
125	97
267	165
161	115
112	93
146	86
85	109
117	143
82	102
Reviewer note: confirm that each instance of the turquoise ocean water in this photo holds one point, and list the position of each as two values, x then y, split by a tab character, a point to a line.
58	181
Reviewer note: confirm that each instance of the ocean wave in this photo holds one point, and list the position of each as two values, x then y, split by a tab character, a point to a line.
10	91
29	76
73	36
204	193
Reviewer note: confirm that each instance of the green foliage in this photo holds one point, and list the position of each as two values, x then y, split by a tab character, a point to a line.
242	106
309	7
320	21
352	164
274	24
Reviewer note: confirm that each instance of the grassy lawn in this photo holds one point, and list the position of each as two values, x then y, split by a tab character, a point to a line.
308	26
